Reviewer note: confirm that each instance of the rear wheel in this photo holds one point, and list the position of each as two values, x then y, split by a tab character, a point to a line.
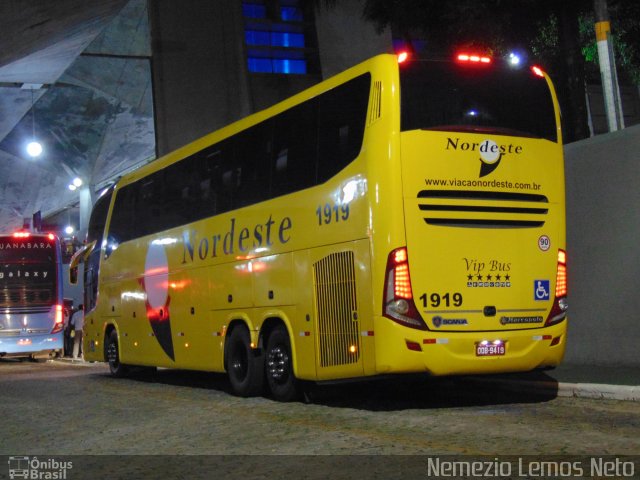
112	352
282	383
245	367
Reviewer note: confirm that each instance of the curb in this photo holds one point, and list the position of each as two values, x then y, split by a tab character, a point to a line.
600	391
72	361
628	393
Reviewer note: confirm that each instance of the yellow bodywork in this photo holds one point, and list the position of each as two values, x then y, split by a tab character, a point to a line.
281	259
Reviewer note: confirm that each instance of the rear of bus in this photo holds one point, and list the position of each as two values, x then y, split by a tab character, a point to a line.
31	309
480	284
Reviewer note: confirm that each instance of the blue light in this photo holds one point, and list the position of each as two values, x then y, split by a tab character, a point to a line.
252	10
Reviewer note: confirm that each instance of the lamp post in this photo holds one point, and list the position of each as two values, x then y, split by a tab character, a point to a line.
610	88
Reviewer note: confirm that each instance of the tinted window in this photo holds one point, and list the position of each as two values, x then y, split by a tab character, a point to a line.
293	164
27	271
123	221
98	219
342	116
151	205
27	250
299	148
92	264
254	150
458	97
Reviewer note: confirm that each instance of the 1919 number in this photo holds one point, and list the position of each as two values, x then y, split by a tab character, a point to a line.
435	300
332	213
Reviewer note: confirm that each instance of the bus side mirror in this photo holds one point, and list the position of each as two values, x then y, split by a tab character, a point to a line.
73	275
78	257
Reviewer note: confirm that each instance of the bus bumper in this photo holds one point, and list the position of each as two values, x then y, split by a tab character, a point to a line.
403	350
17	346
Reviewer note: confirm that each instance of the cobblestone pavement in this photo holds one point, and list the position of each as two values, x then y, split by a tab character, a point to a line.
57	408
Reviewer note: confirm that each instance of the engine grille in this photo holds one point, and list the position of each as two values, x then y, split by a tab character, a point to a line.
336	309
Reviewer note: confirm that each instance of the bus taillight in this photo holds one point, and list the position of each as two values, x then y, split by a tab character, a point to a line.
21	235
472	58
561	276
398	296
59	319
537	71
560	305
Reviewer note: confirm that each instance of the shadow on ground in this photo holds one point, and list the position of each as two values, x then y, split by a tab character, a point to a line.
382	394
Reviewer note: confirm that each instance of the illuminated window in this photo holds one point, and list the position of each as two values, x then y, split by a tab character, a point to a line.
276	36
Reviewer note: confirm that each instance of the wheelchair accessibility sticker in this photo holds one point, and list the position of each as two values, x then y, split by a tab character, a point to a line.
541	290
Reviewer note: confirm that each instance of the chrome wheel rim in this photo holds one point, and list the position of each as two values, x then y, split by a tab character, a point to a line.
112	353
278	364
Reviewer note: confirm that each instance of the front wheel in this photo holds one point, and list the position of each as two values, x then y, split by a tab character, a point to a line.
282	383
244	366
112	352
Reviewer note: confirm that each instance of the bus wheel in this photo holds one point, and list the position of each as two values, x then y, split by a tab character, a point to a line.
113	356
282	383
244	367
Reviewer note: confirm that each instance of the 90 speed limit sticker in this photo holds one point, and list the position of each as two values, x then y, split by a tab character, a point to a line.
544	243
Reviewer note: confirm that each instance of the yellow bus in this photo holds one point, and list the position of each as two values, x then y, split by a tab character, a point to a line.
396	218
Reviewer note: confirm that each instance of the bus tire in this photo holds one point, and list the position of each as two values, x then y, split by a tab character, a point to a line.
245	367
112	353
282	383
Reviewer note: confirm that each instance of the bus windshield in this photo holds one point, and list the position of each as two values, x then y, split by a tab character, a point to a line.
27	272
476	98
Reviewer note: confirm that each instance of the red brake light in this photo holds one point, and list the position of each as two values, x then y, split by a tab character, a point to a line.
51	236
537	71
21	234
398	302
560	306
473	58
59	319
403	57
561	276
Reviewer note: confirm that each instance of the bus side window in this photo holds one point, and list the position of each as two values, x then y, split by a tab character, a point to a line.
219	162
341	119
180	196
95	232
295	149
123	223
253	151
152	214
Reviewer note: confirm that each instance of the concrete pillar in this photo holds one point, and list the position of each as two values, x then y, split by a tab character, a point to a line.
87	198
199	69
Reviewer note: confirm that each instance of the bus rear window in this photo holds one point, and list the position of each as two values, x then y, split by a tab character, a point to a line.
485	99
27	272
27	250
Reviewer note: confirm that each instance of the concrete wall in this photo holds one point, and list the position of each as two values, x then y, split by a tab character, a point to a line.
200	76
603	237
198	67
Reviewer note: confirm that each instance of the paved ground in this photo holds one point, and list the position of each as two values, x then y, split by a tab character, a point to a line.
61	409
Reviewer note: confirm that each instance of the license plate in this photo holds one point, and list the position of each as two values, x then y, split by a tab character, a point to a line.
490	350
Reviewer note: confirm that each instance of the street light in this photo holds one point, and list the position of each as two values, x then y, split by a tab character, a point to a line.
75	184
34	149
